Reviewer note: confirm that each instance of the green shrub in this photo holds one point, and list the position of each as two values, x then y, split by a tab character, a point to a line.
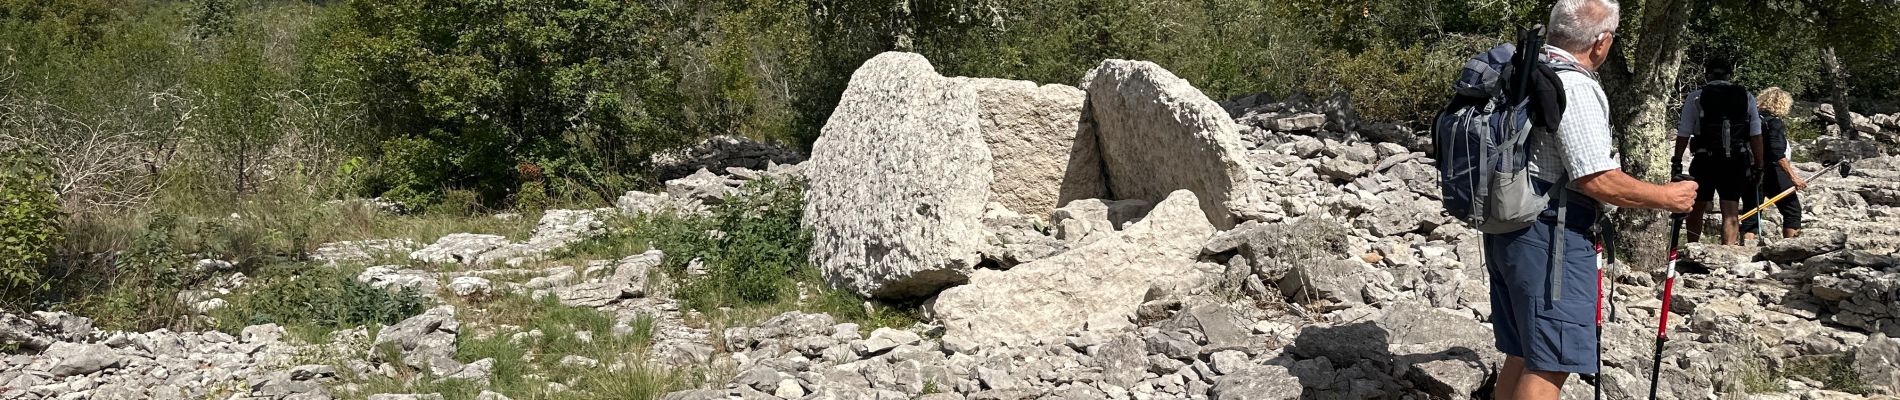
1834	371
139	289
29	223
1388	83
460	203
533	197
759	250
315	299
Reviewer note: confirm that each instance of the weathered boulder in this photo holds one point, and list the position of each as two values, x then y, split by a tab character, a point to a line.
718	153
1081	219
1266	382
555	229
1154	133
703	186
639	203
1874	362
898	181
82	359
470	286
1713	256
396	278
425	341
1097	284
458	248
1812	242
1336	281
1030	131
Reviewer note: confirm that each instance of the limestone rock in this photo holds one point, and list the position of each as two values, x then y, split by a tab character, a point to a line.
394	278
1268	382
458	248
1030	131
1155	133
1812	242
1100	283
1081	219
703	186
898	181
425	341
82	359
1875	362
470	286
719	153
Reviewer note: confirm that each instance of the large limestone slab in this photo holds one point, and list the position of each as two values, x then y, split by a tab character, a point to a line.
1154	133
1031	132
898	180
1097	284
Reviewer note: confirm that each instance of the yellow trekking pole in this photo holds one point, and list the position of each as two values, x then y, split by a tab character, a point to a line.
1784	194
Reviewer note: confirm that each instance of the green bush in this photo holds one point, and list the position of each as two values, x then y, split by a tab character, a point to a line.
532	197
315	299
758	252
29	224
461	203
138	290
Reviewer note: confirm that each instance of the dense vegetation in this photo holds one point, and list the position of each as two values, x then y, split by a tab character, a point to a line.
139	134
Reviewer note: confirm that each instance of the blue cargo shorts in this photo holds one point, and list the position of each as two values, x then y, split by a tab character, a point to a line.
1551	336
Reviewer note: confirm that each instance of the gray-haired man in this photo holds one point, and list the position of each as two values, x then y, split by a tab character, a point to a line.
1544	336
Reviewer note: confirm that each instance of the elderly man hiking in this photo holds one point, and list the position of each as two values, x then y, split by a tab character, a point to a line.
1542	276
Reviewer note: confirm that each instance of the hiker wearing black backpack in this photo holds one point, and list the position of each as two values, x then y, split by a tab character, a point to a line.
1526	157
1780	174
1720	124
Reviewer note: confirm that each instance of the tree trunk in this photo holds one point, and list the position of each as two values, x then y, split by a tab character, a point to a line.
1837	77
1642	86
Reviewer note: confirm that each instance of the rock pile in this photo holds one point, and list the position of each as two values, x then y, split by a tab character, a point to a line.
68	359
719	153
914	169
1335	275
556	229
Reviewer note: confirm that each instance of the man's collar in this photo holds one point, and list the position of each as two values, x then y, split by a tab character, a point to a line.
1560	52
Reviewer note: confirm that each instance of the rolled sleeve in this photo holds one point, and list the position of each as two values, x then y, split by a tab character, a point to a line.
1754	117
1584	137
1691	108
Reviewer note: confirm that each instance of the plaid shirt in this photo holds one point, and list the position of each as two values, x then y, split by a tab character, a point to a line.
1583	144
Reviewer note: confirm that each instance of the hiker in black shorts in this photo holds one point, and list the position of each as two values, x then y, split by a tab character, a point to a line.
1780	174
1720	123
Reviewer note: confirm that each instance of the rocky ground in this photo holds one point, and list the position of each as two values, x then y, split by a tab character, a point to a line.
1161	246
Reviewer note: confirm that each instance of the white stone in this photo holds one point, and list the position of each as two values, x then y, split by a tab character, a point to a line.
1103	281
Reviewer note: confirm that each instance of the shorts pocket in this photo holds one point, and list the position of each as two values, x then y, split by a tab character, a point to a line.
1567	330
1566	342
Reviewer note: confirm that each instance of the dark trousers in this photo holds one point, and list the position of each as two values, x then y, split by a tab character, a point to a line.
1790	206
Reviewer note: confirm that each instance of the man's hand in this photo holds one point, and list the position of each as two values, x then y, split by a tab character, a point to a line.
1799	182
1679	197
1621	190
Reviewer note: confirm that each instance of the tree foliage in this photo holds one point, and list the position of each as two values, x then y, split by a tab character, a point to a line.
29	222
572	85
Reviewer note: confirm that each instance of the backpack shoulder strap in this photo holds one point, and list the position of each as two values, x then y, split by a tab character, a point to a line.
1557	233
1562	65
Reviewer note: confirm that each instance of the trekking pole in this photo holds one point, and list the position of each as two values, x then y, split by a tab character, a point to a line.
1669	287
1785	193
1606	295
1598	382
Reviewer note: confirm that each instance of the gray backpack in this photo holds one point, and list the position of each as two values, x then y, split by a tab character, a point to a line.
1482	138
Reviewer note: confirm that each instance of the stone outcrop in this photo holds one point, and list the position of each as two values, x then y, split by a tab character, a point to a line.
1153	133
1030	131
1096	285
898	181
718	153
